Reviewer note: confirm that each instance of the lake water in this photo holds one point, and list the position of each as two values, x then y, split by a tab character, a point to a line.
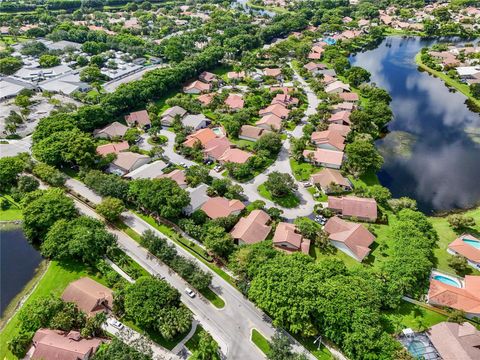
432	153
18	262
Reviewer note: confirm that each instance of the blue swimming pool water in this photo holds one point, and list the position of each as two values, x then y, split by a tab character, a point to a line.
447	280
474	243
330	41
416	349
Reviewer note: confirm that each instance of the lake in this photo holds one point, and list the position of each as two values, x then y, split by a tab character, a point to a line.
18	262
432	153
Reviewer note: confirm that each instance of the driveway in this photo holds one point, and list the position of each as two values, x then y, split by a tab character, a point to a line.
15	147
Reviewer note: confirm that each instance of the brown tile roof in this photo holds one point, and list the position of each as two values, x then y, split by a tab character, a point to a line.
313	66
236	75
127	159
234	101
276	109
466	299
174	111
112	148
326	156
235	156
218	207
355	237
112	130
253	228
215	148
252	132
469	251
314	56
328	176
340	128
284	99
455	341
207	76
349	96
138	117
272	72
286	233
329	137
271	121
203	136
198	85
342	117
88	295
362	208
176	175
284	89
56	345
206	99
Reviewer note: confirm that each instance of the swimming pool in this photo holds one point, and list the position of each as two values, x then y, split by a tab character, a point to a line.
417	349
448	280
471	242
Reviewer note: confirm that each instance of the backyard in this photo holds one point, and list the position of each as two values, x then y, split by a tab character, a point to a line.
289	201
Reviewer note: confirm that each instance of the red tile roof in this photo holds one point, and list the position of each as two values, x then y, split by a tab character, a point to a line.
276	109
362	208
218	207
469	251
90	296
455	341
202	135
198	85
342	117
271	121
325	156
215	148
253	228
286	233
112	148
176	175
329	137
138	117
235	156
206	99
234	101
328	176
465	299
349	96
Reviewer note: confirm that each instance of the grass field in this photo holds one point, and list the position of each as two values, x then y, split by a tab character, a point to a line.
302	171
13	213
260	341
289	201
55	280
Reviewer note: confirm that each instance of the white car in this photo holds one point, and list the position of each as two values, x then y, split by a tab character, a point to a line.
116	324
190	292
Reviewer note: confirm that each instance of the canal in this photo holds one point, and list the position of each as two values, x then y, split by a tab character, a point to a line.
432	151
18	262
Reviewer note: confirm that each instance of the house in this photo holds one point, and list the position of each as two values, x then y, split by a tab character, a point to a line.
252	133
349	97
464	296
196	121
197	87
328	177
207	77
284	100
337	87
176	175
111	131
343	130
270	122
252	229
468	246
286	238
234	102
234	155
340	117
198	197
206	99
276	109
126	162
328	139
455	341
233	75
148	171
324	157
215	148
353	239
170	114
50	344
275	73
112	148
139	118
313	67
344	106
202	136
352	206
218	207
89	296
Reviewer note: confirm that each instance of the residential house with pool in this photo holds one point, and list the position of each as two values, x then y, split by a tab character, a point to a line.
468	246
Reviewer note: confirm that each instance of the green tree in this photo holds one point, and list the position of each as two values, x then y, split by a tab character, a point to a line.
110	208
196	175
91	74
279	184
357	75
270	143
41	209
10	65
218	241
49	174
207	348
459	221
459	264
118	350
131	136
106	184
362	157
47	60
474	89
33	48
380	194
10	169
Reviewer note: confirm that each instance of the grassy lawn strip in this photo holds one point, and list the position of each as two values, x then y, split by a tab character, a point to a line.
463	88
13	213
216	300
302	171
322	354
155	336
192	343
55	280
409	315
289	201
259	340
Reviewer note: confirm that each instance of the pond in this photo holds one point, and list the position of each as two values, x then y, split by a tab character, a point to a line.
18	262
432	153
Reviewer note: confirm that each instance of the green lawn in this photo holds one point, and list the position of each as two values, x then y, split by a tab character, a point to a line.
55	280
331	253
261	342
155	336
446	235
192	343
322	354
243	144
216	300
410	316
302	171
289	201
463	88
366	180
13	213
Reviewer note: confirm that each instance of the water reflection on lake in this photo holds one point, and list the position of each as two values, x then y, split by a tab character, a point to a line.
18	261
443	171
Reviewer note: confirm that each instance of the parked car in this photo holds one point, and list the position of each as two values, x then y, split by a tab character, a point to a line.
182	164
307	184
117	324
218	168
320	219
190	292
